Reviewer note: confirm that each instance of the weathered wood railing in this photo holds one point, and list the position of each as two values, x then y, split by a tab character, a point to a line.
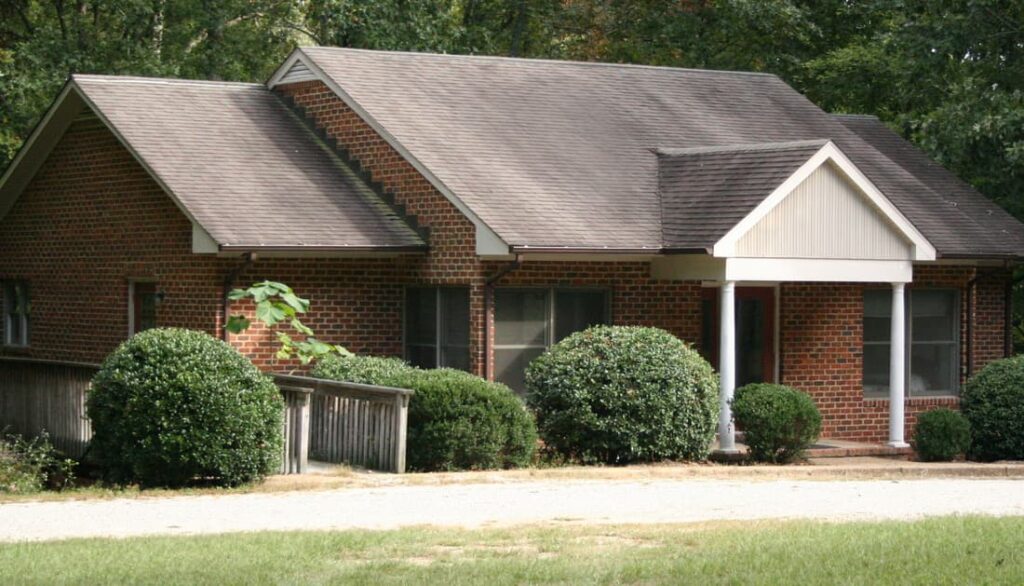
339	422
38	395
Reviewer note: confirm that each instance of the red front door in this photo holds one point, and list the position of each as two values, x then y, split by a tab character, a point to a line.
755	333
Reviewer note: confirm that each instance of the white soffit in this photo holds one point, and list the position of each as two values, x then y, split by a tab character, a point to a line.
829	154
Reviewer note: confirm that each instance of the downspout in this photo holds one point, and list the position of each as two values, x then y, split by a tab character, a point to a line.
488	305
1008	312
972	287
229	284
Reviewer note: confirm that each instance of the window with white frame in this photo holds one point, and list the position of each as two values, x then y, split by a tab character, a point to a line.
528	321
933	342
17	310
437	327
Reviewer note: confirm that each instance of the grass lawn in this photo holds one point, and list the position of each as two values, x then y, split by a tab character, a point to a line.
935	551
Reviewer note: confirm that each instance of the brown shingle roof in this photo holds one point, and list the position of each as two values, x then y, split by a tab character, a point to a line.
243	166
562	154
707	191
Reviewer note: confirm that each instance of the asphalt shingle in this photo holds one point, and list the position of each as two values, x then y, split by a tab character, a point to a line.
244	166
707	191
563	154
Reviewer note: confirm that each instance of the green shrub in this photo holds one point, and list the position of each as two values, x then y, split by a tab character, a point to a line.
457	421
778	422
616	394
368	370
173	406
31	465
941	435
993	403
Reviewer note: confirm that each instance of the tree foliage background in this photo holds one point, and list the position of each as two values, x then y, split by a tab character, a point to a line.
947	74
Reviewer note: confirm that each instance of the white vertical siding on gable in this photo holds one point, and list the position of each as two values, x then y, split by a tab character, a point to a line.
826	216
298	72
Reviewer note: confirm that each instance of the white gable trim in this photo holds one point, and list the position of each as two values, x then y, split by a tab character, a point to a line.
922	249
488	243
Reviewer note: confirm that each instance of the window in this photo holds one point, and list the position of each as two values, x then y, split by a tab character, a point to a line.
437	327
933	334
528	321
17	309
144	298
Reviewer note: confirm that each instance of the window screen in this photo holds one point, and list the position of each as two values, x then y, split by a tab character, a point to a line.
528	321
16	313
437	327
933	334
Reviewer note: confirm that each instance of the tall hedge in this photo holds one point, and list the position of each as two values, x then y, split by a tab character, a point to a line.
614	394
173	406
457	421
993	403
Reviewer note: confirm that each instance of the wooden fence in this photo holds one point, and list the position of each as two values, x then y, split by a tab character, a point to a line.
38	395
361	425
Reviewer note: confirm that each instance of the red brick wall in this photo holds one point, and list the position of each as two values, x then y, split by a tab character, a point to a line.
91	220
452	258
821	339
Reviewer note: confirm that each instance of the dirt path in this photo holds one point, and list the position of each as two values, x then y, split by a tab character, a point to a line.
477	505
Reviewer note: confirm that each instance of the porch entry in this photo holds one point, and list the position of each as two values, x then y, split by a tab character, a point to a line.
755	332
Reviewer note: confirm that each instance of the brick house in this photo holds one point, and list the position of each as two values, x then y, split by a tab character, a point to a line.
471	211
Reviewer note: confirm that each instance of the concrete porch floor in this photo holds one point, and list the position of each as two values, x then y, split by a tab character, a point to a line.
825	448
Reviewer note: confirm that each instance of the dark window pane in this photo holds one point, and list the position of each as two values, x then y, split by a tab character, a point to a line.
421	316
877	314
576	311
933	369
510	366
934	315
144	304
876	370
421	356
708	329
455	328
520	318
750	341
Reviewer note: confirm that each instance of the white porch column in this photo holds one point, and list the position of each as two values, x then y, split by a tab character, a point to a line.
727	365
897	366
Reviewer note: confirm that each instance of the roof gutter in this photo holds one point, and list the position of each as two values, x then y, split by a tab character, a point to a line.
245	249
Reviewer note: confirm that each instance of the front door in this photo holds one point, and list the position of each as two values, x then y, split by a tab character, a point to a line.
755	333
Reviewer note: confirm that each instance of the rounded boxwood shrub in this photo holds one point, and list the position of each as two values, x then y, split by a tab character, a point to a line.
941	435
993	403
173	406
778	422
618	394
457	421
368	370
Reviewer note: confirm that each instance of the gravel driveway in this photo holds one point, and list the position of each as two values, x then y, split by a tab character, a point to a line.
506	504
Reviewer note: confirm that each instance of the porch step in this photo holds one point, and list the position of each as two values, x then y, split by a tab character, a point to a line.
826	448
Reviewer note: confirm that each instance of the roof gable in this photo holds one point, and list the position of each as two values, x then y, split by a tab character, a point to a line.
801	217
233	158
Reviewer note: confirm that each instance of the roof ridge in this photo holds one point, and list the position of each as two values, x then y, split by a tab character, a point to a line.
538	60
855	116
750	147
103	78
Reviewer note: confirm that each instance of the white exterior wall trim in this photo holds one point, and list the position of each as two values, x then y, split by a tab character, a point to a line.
488	242
818	270
922	249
